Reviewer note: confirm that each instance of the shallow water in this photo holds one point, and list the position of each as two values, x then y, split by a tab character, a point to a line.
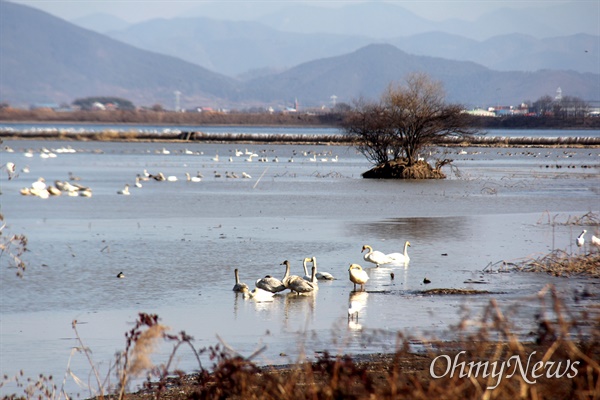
179	242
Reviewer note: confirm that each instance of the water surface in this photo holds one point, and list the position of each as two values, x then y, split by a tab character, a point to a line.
179	242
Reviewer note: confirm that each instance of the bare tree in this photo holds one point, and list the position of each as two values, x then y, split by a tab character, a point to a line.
405	120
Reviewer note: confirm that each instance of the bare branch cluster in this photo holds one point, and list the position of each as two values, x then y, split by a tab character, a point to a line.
405	120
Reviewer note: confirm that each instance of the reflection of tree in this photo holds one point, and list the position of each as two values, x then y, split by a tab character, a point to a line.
398	230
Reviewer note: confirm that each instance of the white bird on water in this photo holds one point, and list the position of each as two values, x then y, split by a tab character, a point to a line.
376	257
259	295
306	276
595	240
192	178
322	276
401	257
580	241
124	191
358	276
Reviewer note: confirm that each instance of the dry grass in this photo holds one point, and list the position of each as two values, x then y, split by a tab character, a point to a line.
561	263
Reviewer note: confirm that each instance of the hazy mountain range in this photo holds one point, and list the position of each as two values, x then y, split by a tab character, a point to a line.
47	59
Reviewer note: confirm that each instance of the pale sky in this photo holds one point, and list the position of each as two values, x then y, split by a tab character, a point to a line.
139	10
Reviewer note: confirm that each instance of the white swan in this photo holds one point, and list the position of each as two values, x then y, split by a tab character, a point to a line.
401	257
258	294
124	191
192	178
358	275
172	178
580	241
306	276
40	184
595	240
295	283
376	257
322	276
239	287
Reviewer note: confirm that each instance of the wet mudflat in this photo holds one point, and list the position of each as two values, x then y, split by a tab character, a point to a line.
178	242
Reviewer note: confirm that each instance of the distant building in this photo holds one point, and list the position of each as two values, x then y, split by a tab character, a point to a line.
480	112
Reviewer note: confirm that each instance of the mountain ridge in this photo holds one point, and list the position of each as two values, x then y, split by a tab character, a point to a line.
46	59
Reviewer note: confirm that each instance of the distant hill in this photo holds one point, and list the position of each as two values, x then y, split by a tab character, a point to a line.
368	71
101	22
384	20
235	47
232	48
46	59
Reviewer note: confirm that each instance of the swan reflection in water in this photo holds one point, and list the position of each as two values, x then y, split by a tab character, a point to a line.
357	305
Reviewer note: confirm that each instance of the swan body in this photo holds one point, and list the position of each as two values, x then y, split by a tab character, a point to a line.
401	257
124	191
595	240
239	287
54	191
40	184
580	241
258	294
376	257
271	284
160	177
295	283
322	276
192	178
357	275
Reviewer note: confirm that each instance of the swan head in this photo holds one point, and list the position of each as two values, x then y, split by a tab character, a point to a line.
120	275
354	266
366	247
286	263
407	243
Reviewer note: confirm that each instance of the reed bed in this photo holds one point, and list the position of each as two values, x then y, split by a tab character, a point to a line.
561	263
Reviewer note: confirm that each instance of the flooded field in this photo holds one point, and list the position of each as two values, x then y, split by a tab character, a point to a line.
178	242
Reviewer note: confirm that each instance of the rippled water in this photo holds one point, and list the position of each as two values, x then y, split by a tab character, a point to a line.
179	242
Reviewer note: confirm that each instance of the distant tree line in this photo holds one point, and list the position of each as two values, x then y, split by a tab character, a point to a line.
545	113
563	107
